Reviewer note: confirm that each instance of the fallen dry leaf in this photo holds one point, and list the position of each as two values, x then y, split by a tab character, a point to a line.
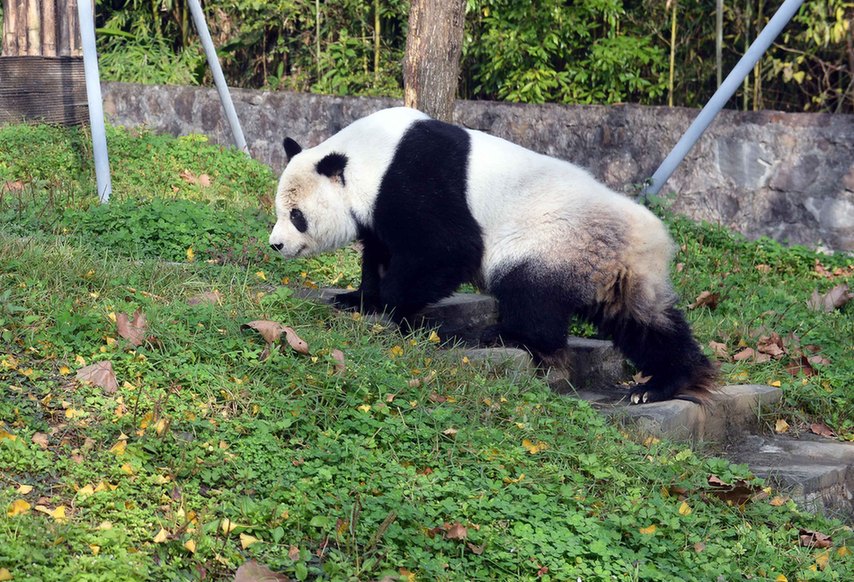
132	329
639	378
99	374
814	539
456	531
737	493
798	365
720	350
293	553
340	361
208	297
781	425
771	345
476	550
706	299
41	439
298	344
271	331
833	299
12	186
252	571
745	354
822	429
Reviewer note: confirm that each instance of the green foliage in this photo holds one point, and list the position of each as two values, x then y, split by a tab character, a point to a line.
551	51
594	51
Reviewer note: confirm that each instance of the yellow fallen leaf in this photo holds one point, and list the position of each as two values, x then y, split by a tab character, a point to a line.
261	275
24	489
532	447
95	549
191	255
86	491
778	501
160	426
685	509
650	441
161	536
647	531
127	469
105	525
7	435
18	507
781	425
5	575
246	540
781	578
64	370
146	420
775	383
80	360
822	559
119	448
364	407
227	525
396	351
58	514
191	546
843	551
434	337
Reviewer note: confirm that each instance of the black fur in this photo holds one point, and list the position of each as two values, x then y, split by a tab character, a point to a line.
298	220
535	309
423	242
292	148
332	166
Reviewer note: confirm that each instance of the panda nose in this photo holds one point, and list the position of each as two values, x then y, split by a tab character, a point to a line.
277	246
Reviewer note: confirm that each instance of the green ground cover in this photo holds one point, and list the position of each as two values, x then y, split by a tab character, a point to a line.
407	461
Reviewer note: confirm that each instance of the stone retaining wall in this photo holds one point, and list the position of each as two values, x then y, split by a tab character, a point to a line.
789	176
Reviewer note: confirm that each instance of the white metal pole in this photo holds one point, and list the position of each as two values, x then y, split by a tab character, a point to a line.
85	12
722	95
216	69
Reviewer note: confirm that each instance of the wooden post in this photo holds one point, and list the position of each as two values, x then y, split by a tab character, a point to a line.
431	66
41	65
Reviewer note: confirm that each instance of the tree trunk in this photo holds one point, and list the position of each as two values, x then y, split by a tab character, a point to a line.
41	67
431	67
46	28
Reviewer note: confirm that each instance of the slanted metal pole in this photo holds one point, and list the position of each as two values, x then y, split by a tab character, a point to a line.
216	69
722	95
85	12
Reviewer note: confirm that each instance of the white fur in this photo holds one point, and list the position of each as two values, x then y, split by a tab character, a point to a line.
369	145
529	206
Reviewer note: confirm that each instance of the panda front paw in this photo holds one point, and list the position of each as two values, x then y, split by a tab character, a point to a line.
357	301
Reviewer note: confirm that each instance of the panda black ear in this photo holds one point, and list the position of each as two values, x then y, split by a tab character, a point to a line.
292	148
332	166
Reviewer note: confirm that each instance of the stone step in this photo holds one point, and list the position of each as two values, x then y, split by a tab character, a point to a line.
818	473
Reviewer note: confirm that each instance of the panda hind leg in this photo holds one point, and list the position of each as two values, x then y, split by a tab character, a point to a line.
665	349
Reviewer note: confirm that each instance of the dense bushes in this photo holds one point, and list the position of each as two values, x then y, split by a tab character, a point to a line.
591	51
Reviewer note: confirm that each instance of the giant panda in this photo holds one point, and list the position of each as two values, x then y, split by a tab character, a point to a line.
436	205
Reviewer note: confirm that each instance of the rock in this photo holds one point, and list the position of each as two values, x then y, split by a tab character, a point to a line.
588	368
731	412
512	362
462	316
818	473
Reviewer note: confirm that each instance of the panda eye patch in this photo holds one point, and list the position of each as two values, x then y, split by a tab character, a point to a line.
298	220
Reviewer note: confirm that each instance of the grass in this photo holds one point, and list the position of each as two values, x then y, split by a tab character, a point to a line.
411	462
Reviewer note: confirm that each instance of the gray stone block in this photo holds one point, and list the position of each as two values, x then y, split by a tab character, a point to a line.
588	369
462	316
513	362
731	412
818	473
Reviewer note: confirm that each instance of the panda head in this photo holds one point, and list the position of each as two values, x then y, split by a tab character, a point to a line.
312	210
